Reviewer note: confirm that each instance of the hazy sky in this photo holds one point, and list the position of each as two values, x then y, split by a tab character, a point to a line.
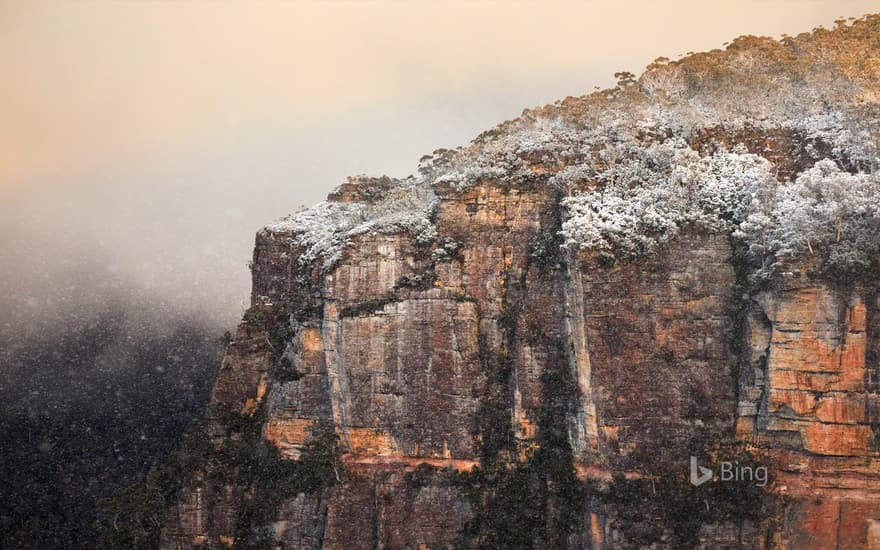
143	142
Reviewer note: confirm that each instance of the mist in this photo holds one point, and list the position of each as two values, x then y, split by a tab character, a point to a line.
143	144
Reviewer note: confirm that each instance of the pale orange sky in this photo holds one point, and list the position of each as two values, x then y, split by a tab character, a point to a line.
95	82
143	142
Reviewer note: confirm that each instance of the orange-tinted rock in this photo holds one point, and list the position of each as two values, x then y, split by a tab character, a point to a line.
841	408
816	367
657	350
243	377
400	372
837	439
370	442
817	525
289	434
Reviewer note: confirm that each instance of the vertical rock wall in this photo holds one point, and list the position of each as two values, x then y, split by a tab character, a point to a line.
407	351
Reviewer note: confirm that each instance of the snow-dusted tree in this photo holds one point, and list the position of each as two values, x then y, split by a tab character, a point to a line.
826	212
662	80
661	189
328	227
724	185
572	176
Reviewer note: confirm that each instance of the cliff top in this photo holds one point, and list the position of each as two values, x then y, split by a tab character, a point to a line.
773	141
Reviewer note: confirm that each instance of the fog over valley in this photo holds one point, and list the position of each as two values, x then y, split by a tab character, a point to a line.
144	144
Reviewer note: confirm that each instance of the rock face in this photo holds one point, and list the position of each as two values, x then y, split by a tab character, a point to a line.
490	388
811	380
404	374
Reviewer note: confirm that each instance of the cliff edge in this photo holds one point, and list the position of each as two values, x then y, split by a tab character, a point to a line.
522	345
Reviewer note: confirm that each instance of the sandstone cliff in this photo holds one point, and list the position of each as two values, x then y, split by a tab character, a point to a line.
522	346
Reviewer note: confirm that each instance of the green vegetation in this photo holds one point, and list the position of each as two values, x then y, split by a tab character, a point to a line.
302	308
366	307
420	281
651	508
257	315
546	247
131	519
537	502
269	480
285	371
281	322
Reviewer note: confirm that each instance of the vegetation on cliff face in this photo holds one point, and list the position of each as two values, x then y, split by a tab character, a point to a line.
270	479
535	502
661	510
132	517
